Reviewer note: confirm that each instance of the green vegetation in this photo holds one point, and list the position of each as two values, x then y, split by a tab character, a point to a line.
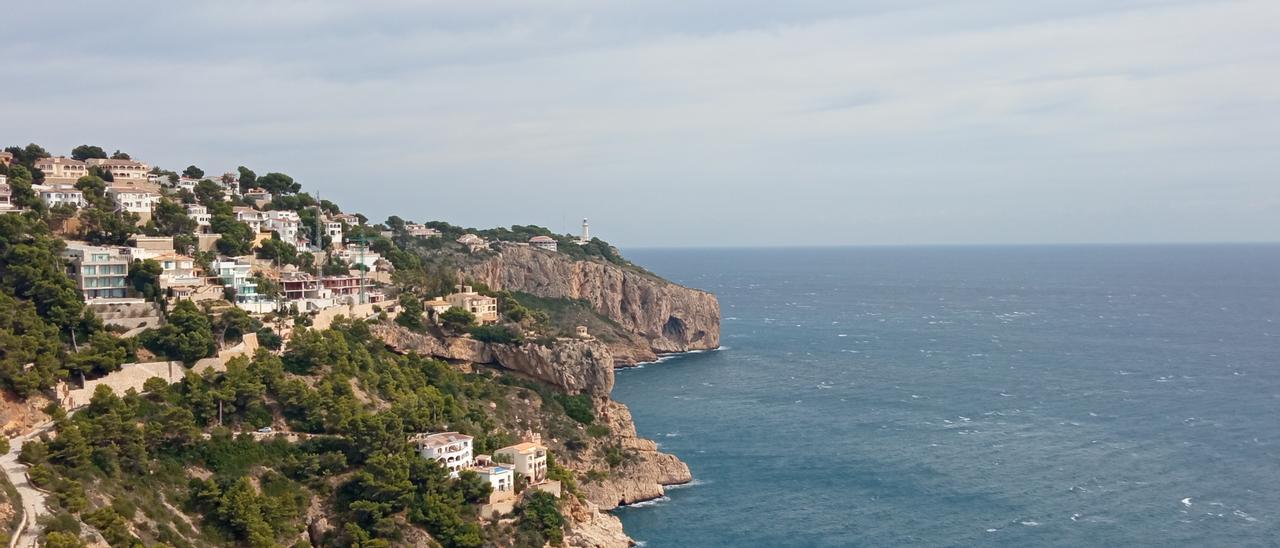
457	319
187	336
135	451
499	334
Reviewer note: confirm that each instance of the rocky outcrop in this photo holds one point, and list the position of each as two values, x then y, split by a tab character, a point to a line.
644	473
576	366
588	527
666	316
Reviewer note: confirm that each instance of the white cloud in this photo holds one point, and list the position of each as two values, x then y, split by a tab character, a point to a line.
698	123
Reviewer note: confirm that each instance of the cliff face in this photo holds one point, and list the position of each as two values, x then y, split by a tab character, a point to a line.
644	473
665	317
575	366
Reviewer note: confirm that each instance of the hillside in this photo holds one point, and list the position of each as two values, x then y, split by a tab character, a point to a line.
253	366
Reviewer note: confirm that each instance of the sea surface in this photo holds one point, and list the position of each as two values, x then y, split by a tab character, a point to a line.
971	396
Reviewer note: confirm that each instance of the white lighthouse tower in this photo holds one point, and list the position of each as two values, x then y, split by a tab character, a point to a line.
586	233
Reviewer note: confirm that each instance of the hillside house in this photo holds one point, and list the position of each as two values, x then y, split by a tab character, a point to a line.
257	197
287	225
484	308
133	199
200	214
543	242
99	272
61	169
6	194
235	275
451	449
57	194
121	170
179	275
257	220
529	459
421	231
474	243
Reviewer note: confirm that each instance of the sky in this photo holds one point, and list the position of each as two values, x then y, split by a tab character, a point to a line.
691	122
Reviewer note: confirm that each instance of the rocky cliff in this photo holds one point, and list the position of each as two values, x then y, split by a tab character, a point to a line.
577	367
663	317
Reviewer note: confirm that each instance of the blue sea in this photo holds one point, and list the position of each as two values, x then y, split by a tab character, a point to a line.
971	396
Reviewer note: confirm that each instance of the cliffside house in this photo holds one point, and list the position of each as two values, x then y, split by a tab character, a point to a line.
451	449
543	242
528	458
199	214
235	274
485	308
99	272
6	158
421	231
435	307
122	170
474	243
57	194
186	183
61	169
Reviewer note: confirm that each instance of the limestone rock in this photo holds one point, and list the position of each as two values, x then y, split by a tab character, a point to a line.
589	527
643	476
665	316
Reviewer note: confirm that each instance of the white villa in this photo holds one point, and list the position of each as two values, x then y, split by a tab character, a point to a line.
199	214
286	224
250	216
528	458
451	449
501	479
132	199
60	193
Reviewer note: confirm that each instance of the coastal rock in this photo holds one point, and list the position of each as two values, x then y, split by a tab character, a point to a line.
644	473
665	316
576	366
589	527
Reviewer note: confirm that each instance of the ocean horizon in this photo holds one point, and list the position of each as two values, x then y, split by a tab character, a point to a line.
994	395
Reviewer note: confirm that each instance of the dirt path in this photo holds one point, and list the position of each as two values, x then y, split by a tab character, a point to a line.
33	501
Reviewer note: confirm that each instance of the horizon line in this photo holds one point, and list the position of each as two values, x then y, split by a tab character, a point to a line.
957	245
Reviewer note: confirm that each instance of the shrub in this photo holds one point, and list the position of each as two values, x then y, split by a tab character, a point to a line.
577	407
498	334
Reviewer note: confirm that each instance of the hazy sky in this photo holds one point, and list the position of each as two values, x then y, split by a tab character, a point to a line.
692	122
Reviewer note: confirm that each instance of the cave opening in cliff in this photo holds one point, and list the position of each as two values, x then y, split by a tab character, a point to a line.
674	328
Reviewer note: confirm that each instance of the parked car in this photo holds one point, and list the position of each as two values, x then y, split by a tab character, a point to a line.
265	430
